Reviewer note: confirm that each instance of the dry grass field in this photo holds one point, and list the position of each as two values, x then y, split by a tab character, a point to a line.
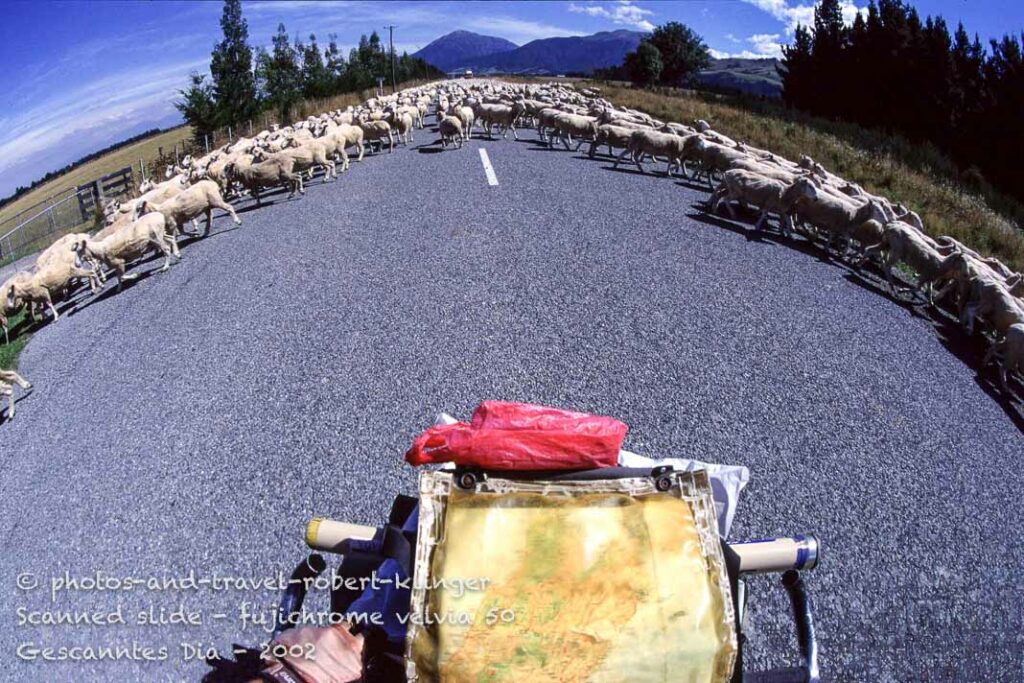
114	161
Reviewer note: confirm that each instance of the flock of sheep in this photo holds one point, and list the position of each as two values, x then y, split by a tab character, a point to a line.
801	195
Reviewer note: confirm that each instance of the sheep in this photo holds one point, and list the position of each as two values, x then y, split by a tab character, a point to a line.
656	144
58	253
764	193
903	244
678	129
8	378
274	170
378	131
39	288
344	136
308	154
991	299
711	155
502	115
159	193
129	244
1011	349
585	128
450	129
612	135
839	218
468	118
764	169
546	119
191	202
403	123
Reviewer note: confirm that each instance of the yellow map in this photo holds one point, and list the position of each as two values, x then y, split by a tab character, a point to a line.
596	587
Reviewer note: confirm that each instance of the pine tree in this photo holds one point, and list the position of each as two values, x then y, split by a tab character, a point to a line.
335	63
281	75
234	89
315	80
198	106
830	70
797	71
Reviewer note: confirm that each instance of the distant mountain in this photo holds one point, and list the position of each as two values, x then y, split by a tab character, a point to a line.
459	48
752	76
578	54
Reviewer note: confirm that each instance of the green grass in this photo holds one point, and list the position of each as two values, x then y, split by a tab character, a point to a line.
21	328
916	175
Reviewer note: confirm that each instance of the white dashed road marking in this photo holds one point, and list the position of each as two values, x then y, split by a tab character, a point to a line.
488	169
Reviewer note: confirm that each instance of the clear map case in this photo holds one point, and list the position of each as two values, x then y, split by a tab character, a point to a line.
597	580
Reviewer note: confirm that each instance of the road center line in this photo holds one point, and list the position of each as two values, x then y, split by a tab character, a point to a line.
488	169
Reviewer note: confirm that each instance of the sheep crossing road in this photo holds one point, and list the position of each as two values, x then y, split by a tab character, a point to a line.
197	420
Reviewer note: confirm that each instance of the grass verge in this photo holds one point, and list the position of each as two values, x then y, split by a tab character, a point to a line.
21	330
916	175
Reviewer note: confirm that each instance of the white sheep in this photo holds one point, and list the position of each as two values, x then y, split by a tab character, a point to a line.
378	131
8	378
502	115
40	287
468	118
129	244
822	210
310	154
1009	351
584	127
712	156
276	169
450	129
203	197
612	135
990	298
902	243
751	188
647	141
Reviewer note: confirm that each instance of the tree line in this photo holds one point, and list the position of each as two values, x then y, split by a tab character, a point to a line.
244	82
671	55
893	71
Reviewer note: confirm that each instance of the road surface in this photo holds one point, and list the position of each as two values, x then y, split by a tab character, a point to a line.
196	420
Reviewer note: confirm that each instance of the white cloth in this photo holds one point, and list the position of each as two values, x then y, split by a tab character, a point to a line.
726	482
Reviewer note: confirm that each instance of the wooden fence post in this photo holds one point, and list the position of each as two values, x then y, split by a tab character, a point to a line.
206	139
98	193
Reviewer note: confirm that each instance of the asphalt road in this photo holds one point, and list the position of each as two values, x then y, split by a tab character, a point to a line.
196	420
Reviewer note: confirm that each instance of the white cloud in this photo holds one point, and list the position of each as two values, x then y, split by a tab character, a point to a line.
622	13
797	14
762	46
63	128
517	30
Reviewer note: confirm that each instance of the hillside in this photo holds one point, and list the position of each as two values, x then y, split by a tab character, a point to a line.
570	54
458	49
752	76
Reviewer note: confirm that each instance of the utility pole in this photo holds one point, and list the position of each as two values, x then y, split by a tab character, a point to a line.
391	40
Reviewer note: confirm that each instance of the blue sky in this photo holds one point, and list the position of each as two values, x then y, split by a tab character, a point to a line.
78	76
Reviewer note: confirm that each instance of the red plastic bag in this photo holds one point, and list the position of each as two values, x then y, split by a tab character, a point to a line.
520	436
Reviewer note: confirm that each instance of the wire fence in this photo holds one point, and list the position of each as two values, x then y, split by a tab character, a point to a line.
75	209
